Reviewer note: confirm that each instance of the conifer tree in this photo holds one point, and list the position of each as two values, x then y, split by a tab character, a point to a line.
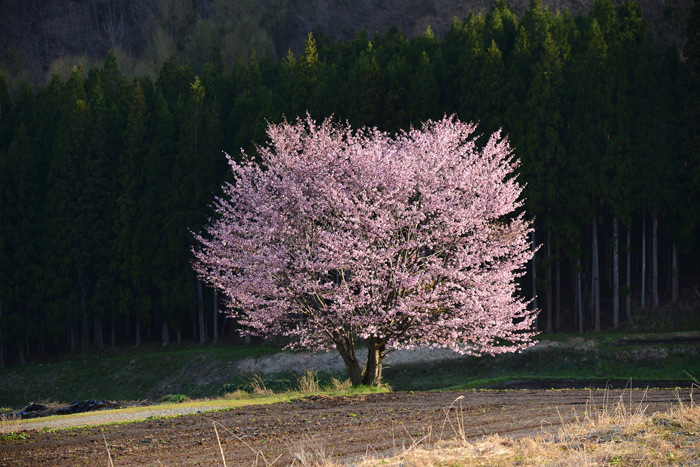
128	227
63	208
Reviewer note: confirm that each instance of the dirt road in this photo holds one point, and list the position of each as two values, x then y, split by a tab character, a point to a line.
342	429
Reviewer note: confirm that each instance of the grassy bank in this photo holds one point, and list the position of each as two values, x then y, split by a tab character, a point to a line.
177	373
147	373
595	357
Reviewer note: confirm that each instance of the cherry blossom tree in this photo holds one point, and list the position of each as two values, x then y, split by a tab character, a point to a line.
335	236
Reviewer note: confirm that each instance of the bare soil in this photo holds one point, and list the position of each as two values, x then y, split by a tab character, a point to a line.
341	429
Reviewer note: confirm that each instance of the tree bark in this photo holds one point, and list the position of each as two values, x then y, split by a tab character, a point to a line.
84	332
549	282
674	274
372	375
72	331
654	261
216	318
22	355
644	259
2	342
347	352
616	276
114	335
628	297
179	337
595	276
579	296
557	290
138	333
164	334
99	339
200	313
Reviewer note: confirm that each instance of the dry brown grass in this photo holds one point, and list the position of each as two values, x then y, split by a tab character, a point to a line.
340	386
606	434
609	432
256	386
308	383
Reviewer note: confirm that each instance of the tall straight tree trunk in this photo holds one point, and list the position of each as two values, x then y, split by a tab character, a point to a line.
138	333
534	279
179	337
2	342
114	335
595	276
99	339
216	317
654	261
22	354
628	297
616	276
557	290
164	334
674	274
200	313
84	332
579	295
549	283
644	258
73	338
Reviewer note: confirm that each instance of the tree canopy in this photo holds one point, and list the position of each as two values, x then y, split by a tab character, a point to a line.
402	242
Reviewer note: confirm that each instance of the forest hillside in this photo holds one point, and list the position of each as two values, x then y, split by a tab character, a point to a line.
38	38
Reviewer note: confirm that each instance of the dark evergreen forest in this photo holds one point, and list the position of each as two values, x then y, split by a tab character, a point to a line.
102	178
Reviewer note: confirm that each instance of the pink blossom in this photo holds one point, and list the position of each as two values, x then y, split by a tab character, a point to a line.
403	242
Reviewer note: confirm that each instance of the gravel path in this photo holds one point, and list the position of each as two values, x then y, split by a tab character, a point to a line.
103	417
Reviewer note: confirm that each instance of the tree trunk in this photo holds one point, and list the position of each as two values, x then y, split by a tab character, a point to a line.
99	339
138	333
557	291
165	334
674	274
2	342
644	258
595	276
114	335
216	318
72	331
372	375
579	296
534	280
200	313
347	352
84	332
179	337
628	297
616	277
654	262
549	282
22	355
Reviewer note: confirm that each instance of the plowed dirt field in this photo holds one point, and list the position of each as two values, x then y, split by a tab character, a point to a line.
343	429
